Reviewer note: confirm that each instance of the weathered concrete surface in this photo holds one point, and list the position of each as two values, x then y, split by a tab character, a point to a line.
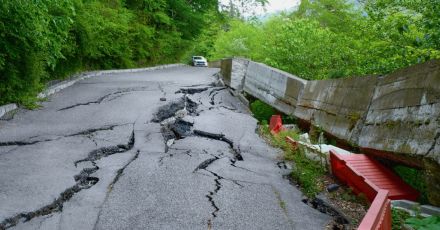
4	109
240	67
398	113
234	72
215	64
404	115
226	71
404	121
78	77
337	106
275	87
93	158
7	110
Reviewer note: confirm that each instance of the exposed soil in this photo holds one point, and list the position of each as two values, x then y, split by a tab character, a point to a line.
351	206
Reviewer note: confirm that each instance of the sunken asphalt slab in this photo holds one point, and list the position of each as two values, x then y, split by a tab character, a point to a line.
107	153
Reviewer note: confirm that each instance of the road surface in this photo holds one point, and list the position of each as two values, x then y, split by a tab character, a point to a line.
111	153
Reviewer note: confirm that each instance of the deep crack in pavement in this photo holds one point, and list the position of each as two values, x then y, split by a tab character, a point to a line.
107	151
109	97
80	133
83	180
210	196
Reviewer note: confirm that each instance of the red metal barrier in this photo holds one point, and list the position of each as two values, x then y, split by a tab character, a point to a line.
378	216
276	124
379	184
366	175
351	177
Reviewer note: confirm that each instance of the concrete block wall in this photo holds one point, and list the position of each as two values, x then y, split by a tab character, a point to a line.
226	71
237	77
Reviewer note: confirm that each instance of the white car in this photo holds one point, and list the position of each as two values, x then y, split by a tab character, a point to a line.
199	61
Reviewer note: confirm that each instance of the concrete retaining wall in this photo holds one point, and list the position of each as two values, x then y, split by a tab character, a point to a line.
4	109
404	115
398	113
226	71
395	116
215	64
273	86
235	78
338	106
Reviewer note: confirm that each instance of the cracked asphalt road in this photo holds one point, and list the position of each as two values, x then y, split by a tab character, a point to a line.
107	153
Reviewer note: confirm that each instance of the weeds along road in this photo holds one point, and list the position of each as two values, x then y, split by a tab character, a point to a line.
109	153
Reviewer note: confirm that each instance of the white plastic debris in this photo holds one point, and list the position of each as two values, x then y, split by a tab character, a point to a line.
305	138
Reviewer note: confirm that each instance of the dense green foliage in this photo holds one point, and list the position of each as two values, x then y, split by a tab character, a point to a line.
398	218
262	111
334	38
428	223
41	40
415	178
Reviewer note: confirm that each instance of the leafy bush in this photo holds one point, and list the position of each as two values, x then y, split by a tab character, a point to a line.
334	38
398	218
415	178
428	223
262	111
241	39
50	39
32	34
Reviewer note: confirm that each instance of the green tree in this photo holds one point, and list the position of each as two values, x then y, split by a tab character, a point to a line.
241	40
335	38
41	40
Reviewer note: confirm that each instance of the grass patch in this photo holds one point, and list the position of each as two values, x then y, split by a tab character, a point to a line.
427	223
306	172
398	218
401	218
262	111
350	196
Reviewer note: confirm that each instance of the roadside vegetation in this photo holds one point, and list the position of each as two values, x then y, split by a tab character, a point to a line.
50	39
313	178
403	220
306	172
415	178
43	40
337	38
